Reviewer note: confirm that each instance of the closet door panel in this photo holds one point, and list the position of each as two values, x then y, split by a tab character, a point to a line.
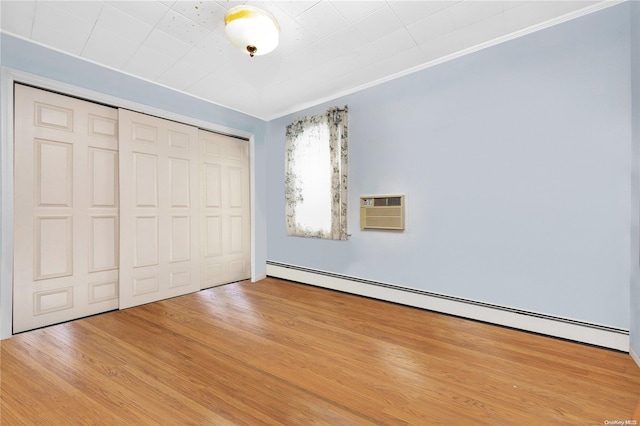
226	211
66	213
159	209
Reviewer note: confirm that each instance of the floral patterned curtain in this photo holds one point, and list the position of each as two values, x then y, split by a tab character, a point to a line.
316	175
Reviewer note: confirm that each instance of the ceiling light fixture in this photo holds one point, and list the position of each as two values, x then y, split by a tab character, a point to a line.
252	30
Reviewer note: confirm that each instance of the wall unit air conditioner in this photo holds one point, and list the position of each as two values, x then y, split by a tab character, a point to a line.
382	212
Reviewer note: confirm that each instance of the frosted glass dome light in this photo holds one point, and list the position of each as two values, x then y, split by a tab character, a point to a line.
252	30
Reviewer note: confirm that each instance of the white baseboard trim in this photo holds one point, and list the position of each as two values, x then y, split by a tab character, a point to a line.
579	331
634	356
258	278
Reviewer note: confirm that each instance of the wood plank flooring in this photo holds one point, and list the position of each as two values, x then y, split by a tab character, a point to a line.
279	353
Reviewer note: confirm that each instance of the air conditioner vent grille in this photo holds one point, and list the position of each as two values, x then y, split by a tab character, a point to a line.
384	222
382	212
386	211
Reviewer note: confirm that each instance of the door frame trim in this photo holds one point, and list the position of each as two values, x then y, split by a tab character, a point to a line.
11	76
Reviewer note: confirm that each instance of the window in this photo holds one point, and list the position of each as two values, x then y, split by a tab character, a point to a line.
316	175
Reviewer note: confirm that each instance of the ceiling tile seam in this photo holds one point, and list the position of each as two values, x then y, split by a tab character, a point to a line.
155	27
207	30
519	33
470	49
120	71
361	18
187	18
397	51
195	82
349	24
327	36
461	27
33	20
415	43
177	61
93	27
304	11
191	19
549	23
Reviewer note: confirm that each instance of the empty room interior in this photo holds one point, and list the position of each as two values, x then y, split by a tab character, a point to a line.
320	212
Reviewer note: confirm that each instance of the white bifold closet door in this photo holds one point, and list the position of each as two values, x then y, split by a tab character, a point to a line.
115	209
159	209
226	212
65	209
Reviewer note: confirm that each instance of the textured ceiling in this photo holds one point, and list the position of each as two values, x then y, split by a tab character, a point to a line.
327	48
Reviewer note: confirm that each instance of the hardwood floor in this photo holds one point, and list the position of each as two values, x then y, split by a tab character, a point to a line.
275	352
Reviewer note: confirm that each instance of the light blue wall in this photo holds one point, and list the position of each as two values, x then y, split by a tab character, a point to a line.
34	59
515	162
635	181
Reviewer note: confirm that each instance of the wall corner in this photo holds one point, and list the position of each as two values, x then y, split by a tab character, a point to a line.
634	287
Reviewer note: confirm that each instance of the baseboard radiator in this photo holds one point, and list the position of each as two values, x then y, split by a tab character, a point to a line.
564	328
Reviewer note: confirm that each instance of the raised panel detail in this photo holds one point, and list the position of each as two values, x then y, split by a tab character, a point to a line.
179	175
143	133
212	271
54	173
59	299
235	187
101	292
225	214
66	214
53	254
54	117
212	148
178	140
145	285
145	241
235	152
212	185
236	267
145	176
180	239
103	245
102	126
179	279
213	230
161	210
235	234
103	172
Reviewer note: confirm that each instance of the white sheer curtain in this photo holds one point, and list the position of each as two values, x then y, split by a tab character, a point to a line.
316	175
